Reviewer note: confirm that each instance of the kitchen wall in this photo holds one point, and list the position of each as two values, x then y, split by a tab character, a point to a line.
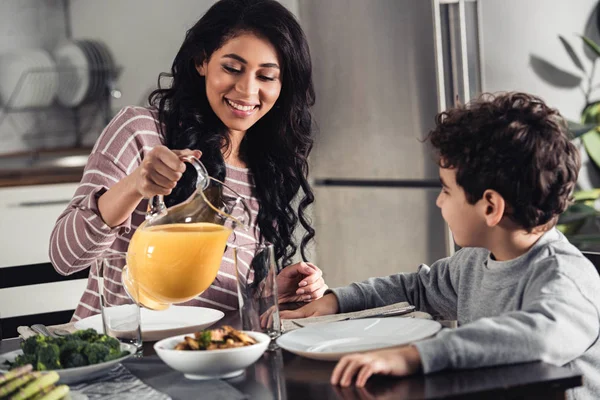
144	36
31	24
515	30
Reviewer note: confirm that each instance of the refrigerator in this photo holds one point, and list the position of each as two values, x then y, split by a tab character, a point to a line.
380	77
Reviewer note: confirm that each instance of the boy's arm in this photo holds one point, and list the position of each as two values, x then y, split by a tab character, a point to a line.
557	323
429	289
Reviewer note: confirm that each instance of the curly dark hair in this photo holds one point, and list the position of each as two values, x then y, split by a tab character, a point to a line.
276	148
515	144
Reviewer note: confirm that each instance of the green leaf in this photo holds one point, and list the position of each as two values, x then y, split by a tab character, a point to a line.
591	45
585	195
591	141
577	212
578	129
571	52
591	113
584	238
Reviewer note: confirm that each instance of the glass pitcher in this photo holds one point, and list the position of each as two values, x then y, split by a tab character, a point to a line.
176	253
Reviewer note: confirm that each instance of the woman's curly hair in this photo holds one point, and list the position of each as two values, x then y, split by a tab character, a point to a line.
515	144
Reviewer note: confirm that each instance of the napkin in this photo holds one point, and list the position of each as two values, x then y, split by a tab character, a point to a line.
291	324
119	384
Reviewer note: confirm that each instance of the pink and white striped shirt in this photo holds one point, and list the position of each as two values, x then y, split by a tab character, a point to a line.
80	235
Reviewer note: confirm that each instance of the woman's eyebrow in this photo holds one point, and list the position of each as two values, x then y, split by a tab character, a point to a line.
240	59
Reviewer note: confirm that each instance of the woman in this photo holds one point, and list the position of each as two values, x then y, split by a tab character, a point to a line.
239	97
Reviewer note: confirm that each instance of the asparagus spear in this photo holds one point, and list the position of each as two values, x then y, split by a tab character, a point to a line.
15	373
18	382
43	392
56	393
40	383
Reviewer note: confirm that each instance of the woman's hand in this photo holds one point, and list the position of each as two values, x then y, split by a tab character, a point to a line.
399	362
300	282
160	171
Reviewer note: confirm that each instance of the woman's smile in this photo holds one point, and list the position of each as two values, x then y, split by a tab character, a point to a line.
241	109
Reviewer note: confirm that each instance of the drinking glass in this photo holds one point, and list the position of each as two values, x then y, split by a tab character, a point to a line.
120	314
257	289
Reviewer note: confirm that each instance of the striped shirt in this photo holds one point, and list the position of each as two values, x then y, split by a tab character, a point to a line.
80	236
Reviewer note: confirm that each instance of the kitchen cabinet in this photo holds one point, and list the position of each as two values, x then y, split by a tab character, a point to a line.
27	217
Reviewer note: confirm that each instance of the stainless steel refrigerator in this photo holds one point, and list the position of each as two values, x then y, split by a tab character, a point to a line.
375	181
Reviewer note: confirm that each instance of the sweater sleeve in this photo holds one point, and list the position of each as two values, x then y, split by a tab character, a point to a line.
556	324
430	289
80	234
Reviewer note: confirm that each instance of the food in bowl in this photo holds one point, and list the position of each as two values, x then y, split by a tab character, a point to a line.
221	363
214	339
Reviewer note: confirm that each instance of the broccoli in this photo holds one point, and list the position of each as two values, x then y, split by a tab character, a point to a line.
24	359
113	355
73	360
48	357
33	343
89	335
111	342
95	352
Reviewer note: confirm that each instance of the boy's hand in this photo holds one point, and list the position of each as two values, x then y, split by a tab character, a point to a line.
326	305
399	362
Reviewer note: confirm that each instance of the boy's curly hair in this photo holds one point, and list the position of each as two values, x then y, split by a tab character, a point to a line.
515	144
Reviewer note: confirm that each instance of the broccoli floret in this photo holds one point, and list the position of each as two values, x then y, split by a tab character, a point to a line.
48	357
95	352
110	342
89	335
113	355
24	359
73	360
33	343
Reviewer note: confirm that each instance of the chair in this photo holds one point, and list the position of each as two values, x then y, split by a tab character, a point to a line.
27	276
594	257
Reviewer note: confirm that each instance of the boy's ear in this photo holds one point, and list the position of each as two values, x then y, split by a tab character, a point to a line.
494	207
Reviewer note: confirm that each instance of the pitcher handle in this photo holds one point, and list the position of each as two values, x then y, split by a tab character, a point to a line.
156	204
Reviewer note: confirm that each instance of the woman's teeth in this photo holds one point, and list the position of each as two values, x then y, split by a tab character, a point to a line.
240	107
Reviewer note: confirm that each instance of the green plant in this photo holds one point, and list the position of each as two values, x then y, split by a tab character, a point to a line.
581	221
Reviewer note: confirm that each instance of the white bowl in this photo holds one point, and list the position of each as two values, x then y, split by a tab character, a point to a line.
211	364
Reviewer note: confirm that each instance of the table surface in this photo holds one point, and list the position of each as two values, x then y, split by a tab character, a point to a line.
283	375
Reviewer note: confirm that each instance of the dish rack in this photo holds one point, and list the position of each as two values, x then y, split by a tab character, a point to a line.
83	115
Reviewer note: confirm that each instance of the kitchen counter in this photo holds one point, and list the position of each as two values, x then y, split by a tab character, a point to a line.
43	167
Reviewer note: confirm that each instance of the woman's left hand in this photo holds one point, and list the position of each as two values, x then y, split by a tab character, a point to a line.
300	282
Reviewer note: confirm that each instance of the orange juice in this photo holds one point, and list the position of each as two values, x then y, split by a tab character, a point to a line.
173	263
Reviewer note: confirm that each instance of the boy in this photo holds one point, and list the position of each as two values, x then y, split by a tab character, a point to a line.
519	290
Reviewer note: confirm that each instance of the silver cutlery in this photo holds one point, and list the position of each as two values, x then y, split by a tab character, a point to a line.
384	314
43	330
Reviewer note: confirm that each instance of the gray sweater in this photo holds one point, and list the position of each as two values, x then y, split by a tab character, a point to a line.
543	305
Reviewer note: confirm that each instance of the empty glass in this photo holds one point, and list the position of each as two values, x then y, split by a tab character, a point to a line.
120	314
257	289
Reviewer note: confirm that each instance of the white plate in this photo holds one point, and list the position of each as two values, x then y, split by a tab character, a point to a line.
330	341
74	375
157	325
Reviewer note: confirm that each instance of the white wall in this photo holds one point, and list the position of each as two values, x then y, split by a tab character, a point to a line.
513	30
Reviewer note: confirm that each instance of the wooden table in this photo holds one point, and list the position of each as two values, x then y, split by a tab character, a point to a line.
283	375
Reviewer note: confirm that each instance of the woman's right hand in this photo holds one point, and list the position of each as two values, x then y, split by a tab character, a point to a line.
160	171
